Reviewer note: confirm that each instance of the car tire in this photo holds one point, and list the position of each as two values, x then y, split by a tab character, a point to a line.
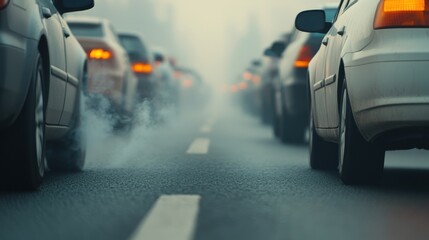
22	145
68	154
360	162
323	155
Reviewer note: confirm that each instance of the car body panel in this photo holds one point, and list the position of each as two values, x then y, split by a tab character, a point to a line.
22	28
386	75
112	78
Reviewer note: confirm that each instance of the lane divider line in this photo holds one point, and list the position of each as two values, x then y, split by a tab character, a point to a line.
171	217
199	147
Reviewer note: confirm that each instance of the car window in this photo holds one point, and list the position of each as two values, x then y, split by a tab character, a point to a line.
330	14
343	5
133	45
86	30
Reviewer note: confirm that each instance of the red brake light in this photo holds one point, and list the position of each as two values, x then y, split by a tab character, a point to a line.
3	3
100	54
247	76
402	13
140	67
242	86
305	55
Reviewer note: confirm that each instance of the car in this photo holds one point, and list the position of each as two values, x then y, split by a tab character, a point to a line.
249	86
142	64
42	71
290	86
368	85
110	73
167	94
270	68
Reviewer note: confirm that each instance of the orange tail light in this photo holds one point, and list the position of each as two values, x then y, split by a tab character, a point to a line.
305	55
141	67
100	54
242	86
402	14
3	3
247	76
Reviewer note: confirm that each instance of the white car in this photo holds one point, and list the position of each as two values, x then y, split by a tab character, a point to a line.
369	85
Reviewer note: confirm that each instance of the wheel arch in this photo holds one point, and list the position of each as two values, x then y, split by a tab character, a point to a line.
44	54
341	77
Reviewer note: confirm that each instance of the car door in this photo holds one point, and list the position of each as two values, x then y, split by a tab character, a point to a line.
74	59
323	61
337	38
58	79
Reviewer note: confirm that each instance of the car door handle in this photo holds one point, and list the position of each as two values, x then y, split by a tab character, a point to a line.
46	12
325	41
66	32
341	31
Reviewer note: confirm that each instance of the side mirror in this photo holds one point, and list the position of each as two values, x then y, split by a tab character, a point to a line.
159	57
65	6
278	48
312	21
256	63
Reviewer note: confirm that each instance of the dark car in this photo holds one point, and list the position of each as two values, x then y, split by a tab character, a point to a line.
269	72
41	73
291	101
142	64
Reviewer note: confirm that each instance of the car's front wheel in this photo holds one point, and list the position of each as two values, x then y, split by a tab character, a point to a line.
22	146
360	161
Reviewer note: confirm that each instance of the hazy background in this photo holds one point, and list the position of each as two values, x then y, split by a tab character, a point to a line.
218	38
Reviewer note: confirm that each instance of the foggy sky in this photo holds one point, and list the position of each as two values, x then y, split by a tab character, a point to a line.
206	31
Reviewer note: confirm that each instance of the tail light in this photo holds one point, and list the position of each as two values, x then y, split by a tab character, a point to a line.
141	67
243	85
3	3
100	54
402	14
305	55
247	76
256	79
187	83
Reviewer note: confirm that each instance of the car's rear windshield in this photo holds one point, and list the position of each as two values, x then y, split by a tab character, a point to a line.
134	46
86	30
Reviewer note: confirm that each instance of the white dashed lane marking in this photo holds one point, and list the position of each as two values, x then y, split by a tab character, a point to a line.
172	217
199	146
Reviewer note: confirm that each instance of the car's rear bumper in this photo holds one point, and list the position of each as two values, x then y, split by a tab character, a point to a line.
103	80
389	89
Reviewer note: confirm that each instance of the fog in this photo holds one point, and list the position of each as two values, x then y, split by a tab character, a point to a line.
218	38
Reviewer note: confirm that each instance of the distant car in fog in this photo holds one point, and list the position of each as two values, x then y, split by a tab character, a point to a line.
142	64
269	72
42	71
291	92
109	68
249	87
369	85
164	73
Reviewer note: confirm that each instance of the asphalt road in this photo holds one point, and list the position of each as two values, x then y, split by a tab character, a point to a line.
216	174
